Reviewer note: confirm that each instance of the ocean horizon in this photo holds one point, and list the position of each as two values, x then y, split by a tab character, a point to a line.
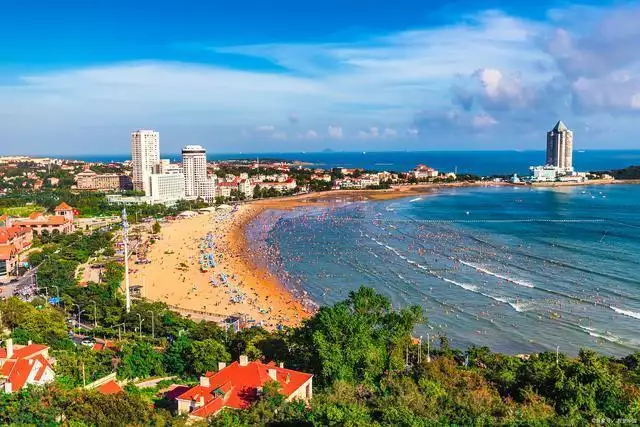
499	162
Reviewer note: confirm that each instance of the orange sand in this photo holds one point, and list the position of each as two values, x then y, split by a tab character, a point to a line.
266	300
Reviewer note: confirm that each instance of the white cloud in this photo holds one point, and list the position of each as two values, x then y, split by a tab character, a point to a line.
483	121
486	72
390	133
335	132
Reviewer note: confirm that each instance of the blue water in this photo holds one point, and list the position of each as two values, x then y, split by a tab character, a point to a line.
477	162
516	269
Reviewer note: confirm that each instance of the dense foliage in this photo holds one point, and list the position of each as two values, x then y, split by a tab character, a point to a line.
631	172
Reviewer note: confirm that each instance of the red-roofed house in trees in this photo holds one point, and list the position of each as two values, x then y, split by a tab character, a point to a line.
239	385
61	222
21	365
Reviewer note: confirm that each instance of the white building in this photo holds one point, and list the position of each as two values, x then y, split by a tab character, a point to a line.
145	156
207	189
194	164
545	173
424	172
166	188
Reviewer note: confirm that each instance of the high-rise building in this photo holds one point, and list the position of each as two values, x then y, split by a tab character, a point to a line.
194	165
560	147
145	156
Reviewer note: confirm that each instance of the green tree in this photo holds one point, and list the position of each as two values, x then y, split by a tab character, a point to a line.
357	339
175	357
156	228
205	355
140	360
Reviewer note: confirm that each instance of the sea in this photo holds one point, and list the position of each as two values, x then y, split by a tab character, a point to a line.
517	269
477	162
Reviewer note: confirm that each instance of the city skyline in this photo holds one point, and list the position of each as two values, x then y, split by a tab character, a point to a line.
290	77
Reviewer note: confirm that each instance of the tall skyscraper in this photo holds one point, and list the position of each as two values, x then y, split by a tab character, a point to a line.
145	156
560	147
194	165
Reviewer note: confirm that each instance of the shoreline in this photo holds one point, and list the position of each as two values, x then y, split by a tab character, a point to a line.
270	302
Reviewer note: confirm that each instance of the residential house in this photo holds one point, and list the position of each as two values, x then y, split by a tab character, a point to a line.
22	365
239	385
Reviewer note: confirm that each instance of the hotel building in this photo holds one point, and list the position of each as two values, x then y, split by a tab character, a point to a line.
194	165
145	155
560	147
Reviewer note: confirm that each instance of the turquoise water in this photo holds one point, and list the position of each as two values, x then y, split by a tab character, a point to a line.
516	269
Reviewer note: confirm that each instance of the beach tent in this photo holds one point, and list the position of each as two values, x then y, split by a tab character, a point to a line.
187	214
225	207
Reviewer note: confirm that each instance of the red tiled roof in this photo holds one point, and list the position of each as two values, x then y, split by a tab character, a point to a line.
63	207
98	346
209	409
236	386
7	252
18	371
42	220
9	233
35	215
110	387
24	352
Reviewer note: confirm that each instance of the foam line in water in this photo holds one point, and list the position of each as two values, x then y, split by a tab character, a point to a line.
625	312
499	276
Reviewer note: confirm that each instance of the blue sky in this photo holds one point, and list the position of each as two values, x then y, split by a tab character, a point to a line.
77	77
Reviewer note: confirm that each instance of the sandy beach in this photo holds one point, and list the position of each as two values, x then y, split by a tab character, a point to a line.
174	275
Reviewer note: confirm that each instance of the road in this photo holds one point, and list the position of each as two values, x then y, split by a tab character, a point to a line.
10	289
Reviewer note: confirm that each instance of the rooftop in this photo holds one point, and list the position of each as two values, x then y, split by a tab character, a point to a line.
560	127
236	386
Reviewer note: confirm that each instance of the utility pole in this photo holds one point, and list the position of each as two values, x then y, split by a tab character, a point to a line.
153	325
420	351
125	241
557	355
95	314
428	348
84	378
140	330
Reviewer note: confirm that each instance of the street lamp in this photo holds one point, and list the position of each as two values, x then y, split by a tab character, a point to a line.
153	325
124	326
140	317
79	313
95	314
428	347
78	308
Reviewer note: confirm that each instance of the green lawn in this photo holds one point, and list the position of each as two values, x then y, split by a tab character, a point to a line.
21	211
